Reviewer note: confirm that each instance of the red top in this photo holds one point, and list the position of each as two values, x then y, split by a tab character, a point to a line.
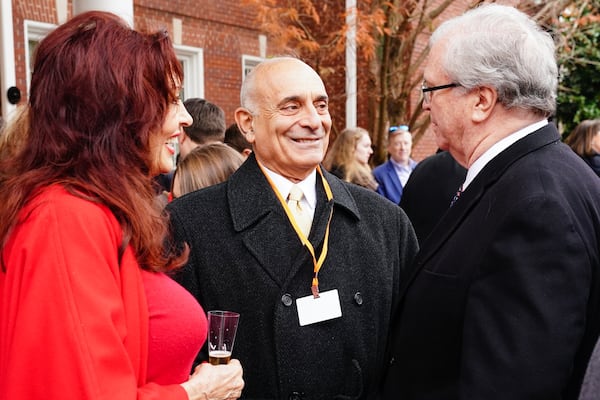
177	329
73	320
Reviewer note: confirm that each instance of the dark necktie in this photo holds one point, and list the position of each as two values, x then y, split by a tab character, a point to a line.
457	195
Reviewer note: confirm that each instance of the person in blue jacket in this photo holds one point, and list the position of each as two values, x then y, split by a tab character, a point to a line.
393	174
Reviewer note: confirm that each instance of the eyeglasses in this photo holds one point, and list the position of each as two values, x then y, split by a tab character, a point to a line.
400	127
427	90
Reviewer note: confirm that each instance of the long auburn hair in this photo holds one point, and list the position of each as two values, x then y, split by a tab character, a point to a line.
99	92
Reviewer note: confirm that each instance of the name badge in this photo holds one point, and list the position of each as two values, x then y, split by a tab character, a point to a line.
323	308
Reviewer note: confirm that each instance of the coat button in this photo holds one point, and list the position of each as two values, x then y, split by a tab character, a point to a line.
286	299
295	396
358	299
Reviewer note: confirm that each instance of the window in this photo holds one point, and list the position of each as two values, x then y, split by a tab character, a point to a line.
248	63
192	61
34	32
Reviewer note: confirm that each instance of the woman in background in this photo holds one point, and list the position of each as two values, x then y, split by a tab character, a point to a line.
348	157
585	141
14	133
86	310
205	166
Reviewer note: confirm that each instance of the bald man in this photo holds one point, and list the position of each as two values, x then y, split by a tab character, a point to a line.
315	304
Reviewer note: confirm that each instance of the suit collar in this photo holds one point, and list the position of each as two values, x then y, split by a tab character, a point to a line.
251	197
530	143
487	177
390	169
499	147
259	218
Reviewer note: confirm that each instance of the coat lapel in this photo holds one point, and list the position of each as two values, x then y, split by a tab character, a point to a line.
342	199
456	214
259	217
393	176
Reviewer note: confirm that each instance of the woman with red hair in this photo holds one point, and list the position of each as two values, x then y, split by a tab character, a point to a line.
86	309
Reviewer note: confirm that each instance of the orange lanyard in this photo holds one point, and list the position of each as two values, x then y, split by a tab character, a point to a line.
318	263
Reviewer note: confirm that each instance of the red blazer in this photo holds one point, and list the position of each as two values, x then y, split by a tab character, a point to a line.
73	320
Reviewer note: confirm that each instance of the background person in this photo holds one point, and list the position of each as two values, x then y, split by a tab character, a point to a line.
249	254
236	139
591	381
348	157
585	141
14	133
503	300
208	125
205	166
392	175
82	259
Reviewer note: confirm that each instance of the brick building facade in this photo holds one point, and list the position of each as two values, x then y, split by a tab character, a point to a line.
217	41
214	40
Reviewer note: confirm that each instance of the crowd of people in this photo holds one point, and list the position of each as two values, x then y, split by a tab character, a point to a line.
126	213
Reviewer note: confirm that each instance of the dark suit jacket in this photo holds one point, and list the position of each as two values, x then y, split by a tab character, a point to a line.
389	184
429	191
246	257
503	302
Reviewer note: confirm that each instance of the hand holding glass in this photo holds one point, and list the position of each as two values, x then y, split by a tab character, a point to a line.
222	327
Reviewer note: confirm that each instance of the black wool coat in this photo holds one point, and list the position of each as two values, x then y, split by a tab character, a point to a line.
246	257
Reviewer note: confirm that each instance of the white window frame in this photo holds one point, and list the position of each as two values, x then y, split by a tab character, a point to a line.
34	31
249	62
193	70
193	58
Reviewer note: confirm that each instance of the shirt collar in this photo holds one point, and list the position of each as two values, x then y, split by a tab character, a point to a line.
284	185
400	167
498	147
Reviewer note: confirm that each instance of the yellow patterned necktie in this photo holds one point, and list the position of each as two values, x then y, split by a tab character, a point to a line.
302	217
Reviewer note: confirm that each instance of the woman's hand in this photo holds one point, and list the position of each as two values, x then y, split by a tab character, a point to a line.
215	382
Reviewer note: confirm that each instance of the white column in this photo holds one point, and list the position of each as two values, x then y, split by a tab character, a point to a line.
61	11
262	46
351	119
7	56
123	8
177	31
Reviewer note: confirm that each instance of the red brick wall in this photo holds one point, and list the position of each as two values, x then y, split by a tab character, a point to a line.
36	10
225	30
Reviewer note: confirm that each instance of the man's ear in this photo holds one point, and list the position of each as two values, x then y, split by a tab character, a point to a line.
246	152
182	138
245	121
486	100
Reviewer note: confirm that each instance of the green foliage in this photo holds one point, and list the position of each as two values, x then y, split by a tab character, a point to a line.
579	61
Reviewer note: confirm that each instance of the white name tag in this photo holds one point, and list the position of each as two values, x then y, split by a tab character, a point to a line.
325	307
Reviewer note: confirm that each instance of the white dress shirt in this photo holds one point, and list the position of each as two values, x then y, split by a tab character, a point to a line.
497	148
283	186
